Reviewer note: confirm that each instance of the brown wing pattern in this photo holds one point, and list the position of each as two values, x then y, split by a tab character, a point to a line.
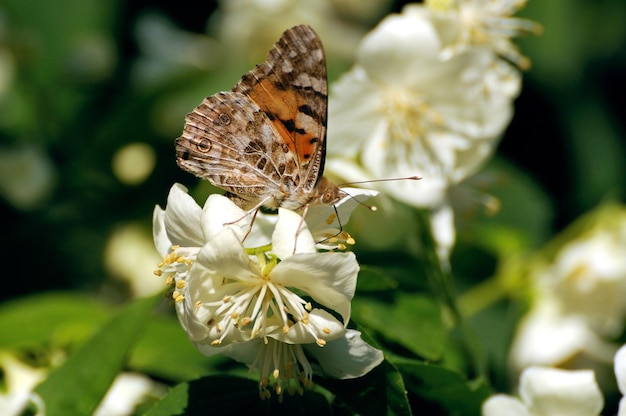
291	87
264	142
230	141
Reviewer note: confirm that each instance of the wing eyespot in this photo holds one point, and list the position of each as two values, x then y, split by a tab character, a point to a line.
224	119
204	145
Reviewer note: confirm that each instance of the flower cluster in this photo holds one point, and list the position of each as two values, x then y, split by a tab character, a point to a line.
579	305
261	291
434	90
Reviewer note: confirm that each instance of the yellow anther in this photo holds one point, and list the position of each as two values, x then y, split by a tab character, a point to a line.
326	330
161	264
308	306
175	247
197	304
226	299
158	272
285	329
216	342
320	342
276	373
341	246
180	284
245	321
351	241
234	315
170	281
180	259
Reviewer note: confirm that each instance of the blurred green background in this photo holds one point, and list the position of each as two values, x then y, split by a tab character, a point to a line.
93	94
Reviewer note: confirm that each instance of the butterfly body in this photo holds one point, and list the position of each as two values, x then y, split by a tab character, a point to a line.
264	142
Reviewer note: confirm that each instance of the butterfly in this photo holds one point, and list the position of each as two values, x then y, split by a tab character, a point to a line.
264	142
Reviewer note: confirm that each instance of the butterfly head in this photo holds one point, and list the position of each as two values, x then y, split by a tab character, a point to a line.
327	192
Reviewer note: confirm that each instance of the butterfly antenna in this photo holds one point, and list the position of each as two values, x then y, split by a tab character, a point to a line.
373	208
408	178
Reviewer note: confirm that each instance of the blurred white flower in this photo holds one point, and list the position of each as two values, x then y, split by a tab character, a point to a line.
403	111
167	50
249	27
549	392
127	392
27	176
580	302
620	375
130	257
133	163
19	380
467	23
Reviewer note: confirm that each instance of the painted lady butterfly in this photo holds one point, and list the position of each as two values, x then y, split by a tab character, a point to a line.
264	142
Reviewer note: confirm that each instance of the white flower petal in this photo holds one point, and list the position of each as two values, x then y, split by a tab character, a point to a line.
291	235
182	218
392	55
346	357
329	278
554	392
218	213
225	256
501	404
326	221
620	369
320	325
159	234
547	337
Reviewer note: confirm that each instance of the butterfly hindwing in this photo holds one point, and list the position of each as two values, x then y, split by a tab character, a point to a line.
230	141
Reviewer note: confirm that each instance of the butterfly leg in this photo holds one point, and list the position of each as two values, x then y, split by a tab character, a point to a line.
254	211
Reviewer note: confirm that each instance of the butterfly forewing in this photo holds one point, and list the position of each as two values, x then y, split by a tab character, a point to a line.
264	142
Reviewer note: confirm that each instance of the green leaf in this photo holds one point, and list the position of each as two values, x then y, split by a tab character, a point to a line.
411	320
449	389
152	353
525	214
379	392
374	279
79	384
50	318
228	395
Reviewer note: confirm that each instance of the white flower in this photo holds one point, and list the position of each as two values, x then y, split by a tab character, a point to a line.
580	302
589	275
250	27
467	23
403	111
130	257
19	382
127	392
549	337
255	302
550	392
620	375
255	306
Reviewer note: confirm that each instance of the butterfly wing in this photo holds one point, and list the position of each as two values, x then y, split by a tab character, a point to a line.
231	142
291	88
